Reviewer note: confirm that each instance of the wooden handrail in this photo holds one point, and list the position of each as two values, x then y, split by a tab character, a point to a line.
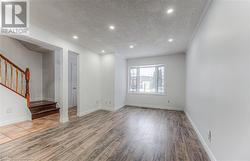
10	62
12	81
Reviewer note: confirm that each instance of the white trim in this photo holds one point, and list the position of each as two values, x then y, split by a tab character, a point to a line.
202	140
15	120
197	27
63	119
163	107
87	112
145	93
118	107
144	66
107	108
138	75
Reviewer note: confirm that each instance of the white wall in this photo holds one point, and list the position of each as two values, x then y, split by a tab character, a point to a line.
107	70
174	81
89	71
217	96
57	78
105	81
48	77
120	82
112	82
89	83
24	58
12	111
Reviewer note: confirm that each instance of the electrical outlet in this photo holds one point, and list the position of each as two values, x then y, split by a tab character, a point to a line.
209	136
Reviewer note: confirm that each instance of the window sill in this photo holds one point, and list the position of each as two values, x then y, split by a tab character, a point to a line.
154	94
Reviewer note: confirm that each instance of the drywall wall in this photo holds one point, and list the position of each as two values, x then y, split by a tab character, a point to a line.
174	83
12	111
57	78
89	71
107	70
89	83
120	81
217	95
24	58
48	77
105	79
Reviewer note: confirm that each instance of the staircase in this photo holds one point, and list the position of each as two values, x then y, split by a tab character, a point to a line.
14	78
43	108
17	80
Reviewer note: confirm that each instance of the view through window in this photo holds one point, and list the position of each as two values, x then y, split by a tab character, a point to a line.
147	79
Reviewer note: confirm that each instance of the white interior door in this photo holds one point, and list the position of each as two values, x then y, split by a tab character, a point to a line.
74	84
72	80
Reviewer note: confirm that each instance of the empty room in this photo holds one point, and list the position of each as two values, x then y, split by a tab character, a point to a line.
125	80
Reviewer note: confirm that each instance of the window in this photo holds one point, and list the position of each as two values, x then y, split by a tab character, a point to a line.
147	79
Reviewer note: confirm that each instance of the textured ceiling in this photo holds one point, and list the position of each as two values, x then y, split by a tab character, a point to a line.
141	22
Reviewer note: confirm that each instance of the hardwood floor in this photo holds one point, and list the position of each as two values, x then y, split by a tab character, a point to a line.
130	134
17	130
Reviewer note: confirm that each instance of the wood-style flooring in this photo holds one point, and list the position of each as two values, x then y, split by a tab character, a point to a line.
130	134
17	130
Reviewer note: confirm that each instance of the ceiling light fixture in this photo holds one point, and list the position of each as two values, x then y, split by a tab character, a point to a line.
103	51
170	40
170	10
131	46
111	27
75	37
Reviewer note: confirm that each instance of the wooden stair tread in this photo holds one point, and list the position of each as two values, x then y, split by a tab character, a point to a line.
43	114
44	111
41	103
43	108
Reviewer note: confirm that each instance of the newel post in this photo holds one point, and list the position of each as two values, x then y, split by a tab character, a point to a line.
27	78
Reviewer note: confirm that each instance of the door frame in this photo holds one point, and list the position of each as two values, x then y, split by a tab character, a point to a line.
77	88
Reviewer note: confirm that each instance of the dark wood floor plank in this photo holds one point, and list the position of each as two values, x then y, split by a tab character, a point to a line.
130	134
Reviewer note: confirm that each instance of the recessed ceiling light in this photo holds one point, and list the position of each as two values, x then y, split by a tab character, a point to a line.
131	46
170	40
75	37
170	10
103	51
111	27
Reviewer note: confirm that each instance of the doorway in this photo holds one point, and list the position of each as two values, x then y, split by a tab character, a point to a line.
73	83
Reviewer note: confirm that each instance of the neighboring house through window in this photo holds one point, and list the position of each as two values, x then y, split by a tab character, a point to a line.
147	79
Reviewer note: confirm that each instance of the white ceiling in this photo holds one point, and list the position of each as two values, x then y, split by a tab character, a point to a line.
141	22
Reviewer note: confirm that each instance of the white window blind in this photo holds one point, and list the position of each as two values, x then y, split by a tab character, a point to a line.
147	79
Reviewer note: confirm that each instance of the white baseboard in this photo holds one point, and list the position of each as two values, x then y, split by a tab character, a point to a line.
87	112
202	140
156	107
107	108
96	109
14	120
49	99
64	119
119	107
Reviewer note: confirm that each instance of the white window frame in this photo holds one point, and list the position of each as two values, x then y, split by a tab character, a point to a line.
146	93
